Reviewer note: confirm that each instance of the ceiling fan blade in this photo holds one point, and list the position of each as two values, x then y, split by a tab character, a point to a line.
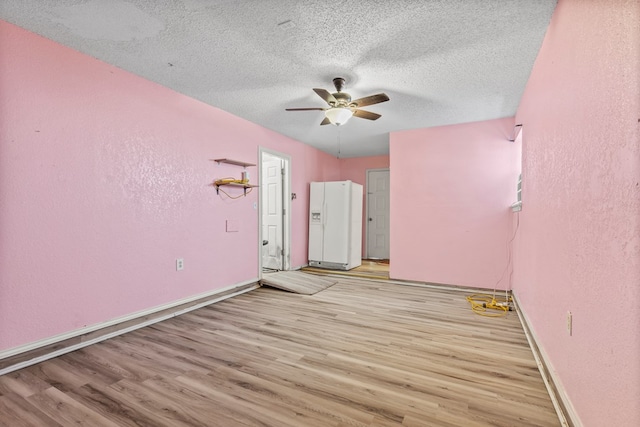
324	94
326	121
305	109
366	115
369	100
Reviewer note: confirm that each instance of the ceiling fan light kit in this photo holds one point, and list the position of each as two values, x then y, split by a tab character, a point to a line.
338	115
341	107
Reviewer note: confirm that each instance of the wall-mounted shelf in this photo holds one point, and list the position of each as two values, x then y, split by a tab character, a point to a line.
233	184
243	185
234	162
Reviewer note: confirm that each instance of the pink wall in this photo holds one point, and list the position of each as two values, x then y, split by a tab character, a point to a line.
355	169
451	188
578	247
104	182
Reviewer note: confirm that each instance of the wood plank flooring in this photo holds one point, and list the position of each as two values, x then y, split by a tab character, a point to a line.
360	353
369	269
297	281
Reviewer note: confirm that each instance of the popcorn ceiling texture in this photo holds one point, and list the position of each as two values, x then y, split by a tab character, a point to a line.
441	62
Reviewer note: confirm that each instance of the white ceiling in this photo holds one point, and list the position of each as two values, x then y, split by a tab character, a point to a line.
440	61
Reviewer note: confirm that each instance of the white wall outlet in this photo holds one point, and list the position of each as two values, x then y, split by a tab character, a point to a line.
179	264
569	323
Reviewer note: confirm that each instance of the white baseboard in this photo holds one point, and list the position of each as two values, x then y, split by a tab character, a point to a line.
209	296
561	402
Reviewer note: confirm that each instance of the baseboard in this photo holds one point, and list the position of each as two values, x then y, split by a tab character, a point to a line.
39	351
567	415
444	286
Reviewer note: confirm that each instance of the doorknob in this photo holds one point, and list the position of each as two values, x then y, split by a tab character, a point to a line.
370	219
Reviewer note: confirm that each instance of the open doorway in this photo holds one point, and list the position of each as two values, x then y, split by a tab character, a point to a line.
275	206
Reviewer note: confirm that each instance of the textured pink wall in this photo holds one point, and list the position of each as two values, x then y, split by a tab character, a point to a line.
451	188
104	183
578	247
355	169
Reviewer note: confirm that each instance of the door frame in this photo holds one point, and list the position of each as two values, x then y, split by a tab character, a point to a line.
366	210
286	205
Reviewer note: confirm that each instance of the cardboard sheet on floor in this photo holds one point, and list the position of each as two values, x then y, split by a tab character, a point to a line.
297	282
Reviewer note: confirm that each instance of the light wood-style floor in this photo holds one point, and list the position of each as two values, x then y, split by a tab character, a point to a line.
369	269
297	281
356	354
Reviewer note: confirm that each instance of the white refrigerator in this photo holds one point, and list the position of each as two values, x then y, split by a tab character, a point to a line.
335	225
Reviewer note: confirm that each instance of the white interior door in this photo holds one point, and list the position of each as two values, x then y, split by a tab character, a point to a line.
272	212
378	213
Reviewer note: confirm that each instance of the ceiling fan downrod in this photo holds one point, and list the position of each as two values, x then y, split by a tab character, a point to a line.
339	83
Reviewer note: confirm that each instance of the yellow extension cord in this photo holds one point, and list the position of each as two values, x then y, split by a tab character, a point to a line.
497	306
224	181
230	181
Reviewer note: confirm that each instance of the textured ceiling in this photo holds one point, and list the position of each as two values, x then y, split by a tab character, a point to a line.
440	62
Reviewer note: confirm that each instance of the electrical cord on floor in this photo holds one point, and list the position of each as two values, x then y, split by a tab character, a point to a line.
496	306
501	305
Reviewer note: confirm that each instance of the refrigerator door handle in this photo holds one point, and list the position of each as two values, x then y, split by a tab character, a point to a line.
324	213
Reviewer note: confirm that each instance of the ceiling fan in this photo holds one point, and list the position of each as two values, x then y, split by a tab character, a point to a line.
341	107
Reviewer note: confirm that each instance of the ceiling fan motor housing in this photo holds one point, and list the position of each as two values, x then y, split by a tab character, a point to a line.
343	98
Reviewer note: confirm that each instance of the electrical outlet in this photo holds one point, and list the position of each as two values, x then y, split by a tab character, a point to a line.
569	323
179	264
